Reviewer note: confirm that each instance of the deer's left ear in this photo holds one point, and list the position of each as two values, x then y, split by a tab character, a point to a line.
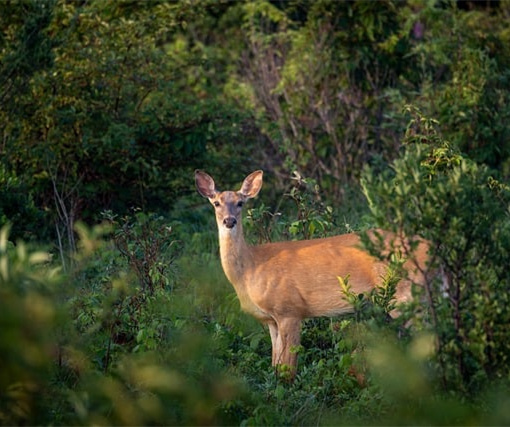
252	184
205	184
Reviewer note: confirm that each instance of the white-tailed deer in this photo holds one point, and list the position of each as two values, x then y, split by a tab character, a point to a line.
285	282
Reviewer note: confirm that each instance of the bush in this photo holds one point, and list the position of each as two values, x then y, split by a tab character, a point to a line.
435	192
17	208
28	318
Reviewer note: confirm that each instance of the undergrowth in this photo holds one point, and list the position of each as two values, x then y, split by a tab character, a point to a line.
146	330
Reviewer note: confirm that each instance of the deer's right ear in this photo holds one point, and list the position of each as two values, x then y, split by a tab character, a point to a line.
205	184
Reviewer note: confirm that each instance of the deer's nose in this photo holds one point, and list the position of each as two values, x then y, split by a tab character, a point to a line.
230	222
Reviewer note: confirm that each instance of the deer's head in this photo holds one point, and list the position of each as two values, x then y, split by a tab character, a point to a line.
228	204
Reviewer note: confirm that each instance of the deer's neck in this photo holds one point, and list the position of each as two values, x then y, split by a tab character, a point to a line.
236	256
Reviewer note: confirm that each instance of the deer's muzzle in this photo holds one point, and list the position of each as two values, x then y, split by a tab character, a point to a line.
230	222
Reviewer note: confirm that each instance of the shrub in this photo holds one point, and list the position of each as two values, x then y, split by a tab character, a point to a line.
17	208
435	192
28	319
144	242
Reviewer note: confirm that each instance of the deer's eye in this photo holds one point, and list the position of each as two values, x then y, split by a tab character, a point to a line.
216	203
240	204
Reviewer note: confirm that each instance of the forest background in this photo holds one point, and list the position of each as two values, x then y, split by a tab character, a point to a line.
113	305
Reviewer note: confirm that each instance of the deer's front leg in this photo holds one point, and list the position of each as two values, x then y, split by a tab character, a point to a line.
273	332
288	337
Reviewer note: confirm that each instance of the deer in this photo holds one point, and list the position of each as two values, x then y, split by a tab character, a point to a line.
283	283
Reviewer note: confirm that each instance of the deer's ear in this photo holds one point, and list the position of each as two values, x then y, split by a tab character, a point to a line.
205	184
252	184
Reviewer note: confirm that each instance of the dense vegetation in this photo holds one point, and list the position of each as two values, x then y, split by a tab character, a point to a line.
113	305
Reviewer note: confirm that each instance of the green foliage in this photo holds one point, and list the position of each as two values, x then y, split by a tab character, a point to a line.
109	105
457	205
25	47
103	353
328	80
318	74
117	353
377	305
28	315
17	208
314	218
120	314
308	215
262	222
464	58
112	120
145	243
